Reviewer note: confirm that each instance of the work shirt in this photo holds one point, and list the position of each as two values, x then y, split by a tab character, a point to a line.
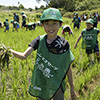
6	23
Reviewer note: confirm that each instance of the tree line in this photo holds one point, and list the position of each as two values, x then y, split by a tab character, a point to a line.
73	5
67	5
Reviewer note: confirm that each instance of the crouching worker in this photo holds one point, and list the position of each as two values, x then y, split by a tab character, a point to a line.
48	79
30	26
6	24
66	28
15	25
1	25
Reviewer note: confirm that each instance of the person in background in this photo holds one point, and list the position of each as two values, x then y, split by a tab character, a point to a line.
94	17
48	79
16	17
97	15
90	15
23	19
30	26
84	17
76	20
1	25
89	40
66	28
15	25
6	24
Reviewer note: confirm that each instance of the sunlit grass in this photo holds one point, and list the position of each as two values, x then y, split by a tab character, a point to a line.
14	82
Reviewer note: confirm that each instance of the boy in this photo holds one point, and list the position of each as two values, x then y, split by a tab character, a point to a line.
16	17
30	26
94	17
23	19
66	28
6	24
76	20
90	15
53	60
89	36
15	25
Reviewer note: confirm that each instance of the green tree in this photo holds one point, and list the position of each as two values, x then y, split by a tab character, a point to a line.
47	1
56	3
68	5
73	5
30	9
18	2
36	8
42	6
21	6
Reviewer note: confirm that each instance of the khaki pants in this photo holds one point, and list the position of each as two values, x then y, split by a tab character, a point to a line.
58	96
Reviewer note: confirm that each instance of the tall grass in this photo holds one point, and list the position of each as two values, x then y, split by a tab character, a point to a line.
15	80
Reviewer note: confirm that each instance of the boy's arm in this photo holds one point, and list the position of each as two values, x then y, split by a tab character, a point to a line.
79	19
23	55
72	21
72	90
78	40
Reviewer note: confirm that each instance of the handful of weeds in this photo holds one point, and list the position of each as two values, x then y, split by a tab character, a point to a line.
5	54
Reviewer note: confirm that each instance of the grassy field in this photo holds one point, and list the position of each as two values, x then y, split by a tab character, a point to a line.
15	80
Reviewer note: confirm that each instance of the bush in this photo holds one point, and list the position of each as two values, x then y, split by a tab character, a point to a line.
38	15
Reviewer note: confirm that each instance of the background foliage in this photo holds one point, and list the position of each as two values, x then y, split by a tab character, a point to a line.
67	5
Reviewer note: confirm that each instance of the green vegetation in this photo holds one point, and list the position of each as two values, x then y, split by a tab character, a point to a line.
15	79
66	5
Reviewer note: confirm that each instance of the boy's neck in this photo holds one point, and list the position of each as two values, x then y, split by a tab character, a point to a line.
51	39
90	28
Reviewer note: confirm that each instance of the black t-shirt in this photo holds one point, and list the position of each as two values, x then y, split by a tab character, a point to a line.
58	46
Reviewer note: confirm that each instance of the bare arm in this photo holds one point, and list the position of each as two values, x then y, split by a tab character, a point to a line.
23	55
73	93
78	40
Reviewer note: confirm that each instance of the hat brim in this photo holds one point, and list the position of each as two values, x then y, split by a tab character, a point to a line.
50	18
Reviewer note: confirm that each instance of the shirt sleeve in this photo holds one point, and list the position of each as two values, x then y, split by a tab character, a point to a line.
34	44
79	19
66	45
73	19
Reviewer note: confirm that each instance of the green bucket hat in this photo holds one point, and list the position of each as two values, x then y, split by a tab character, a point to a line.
6	19
90	21
76	13
22	12
12	21
51	13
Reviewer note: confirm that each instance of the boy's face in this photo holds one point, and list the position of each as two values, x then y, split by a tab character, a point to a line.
51	27
89	26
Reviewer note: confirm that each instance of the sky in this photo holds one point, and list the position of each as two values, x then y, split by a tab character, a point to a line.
25	3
